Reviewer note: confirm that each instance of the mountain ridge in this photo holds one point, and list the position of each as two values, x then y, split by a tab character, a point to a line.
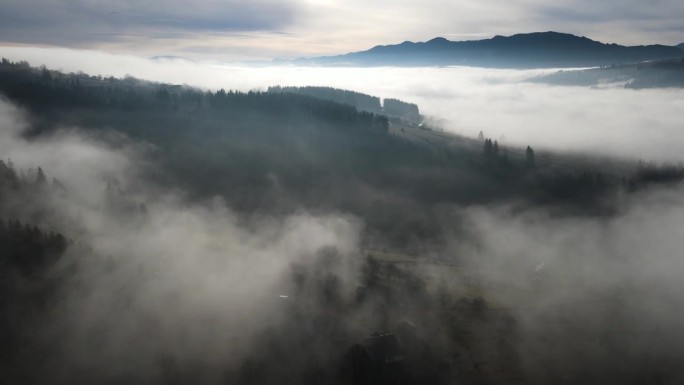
525	50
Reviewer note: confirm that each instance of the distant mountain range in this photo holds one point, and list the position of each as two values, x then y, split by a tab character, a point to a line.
530	50
680	46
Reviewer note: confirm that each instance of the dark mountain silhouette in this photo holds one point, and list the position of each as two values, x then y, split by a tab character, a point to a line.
531	50
680	46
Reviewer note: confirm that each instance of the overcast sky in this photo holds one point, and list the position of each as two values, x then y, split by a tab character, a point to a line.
263	29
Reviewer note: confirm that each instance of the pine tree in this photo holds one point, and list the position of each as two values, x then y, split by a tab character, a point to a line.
58	185
529	154
41	179
487	148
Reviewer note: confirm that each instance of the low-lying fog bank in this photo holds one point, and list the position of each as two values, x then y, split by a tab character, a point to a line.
642	124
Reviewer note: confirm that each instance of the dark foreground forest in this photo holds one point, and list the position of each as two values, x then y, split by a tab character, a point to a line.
157	233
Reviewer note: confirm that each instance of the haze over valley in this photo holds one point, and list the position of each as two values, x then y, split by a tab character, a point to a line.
195	198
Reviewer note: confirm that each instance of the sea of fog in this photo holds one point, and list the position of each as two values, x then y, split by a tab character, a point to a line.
636	124
190	288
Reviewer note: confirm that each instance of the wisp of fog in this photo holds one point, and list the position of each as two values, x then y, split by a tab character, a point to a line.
179	280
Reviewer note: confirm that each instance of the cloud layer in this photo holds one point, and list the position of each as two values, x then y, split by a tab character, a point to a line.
139	25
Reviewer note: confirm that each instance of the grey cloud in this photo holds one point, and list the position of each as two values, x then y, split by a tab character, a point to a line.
659	16
80	22
601	12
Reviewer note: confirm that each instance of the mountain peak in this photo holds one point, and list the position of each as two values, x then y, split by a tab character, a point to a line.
549	36
438	40
530	36
548	49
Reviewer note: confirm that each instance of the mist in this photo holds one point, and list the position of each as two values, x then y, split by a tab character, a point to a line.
192	283
596	300
607	120
157	287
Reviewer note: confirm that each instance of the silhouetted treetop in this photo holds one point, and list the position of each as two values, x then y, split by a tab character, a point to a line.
529	157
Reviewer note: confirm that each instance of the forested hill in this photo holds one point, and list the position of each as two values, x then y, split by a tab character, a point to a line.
528	50
359	100
276	152
656	74
392	108
50	92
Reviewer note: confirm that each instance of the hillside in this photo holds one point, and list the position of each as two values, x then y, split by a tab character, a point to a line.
274	152
656	74
531	50
392	108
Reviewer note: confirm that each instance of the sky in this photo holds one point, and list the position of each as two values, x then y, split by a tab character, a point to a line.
229	30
